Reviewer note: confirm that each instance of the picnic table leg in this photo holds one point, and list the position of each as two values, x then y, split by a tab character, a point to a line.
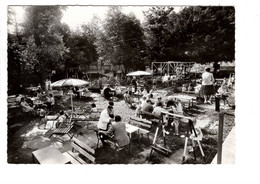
201	150
185	148
193	147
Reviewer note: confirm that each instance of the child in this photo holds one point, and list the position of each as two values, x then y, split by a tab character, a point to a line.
127	97
197	88
94	112
223	91
183	89
93	108
138	109
190	88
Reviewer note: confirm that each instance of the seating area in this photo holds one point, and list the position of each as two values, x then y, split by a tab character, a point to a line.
80	148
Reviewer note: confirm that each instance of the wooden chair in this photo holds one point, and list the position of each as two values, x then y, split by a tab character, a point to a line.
80	148
66	129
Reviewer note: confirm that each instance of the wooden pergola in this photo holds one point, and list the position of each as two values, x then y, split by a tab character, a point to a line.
172	67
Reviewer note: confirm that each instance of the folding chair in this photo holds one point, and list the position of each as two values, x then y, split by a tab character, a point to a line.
64	129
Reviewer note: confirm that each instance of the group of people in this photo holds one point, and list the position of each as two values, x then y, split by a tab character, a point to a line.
156	107
209	87
111	125
36	103
80	91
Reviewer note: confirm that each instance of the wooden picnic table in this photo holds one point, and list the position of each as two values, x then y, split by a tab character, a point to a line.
49	155
131	129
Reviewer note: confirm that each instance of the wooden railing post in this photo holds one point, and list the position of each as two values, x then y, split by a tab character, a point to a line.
220	136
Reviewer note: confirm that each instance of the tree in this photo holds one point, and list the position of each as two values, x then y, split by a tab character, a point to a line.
199	34
121	40
158	31
42	31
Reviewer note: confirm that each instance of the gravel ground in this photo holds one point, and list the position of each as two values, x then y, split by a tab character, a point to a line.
25	135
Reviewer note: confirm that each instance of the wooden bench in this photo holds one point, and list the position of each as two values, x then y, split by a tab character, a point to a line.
144	126
80	148
149	116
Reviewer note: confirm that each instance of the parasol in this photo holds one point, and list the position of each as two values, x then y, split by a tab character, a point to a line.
138	73
69	82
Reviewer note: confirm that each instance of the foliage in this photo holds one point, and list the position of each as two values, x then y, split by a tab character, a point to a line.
196	33
43	32
199	34
120	41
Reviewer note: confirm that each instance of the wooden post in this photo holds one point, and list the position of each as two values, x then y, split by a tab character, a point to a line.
220	137
217	99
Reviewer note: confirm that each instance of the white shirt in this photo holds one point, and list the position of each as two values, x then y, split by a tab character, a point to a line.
207	78
103	120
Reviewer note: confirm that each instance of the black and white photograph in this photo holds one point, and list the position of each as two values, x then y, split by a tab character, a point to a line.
141	85
129	85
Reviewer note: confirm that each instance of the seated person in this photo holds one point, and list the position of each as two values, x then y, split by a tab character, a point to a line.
50	101
143	101
61	122
223	91
118	91
150	96
105	118
18	99
39	95
108	93
94	112
127	97
170	101
25	106
147	106
144	92
138	109
177	108
190	88
93	108
75	90
158	109
159	100
197	88
183	89
118	130
138	91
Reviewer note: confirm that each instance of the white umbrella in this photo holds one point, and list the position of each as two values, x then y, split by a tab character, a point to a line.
138	73
69	82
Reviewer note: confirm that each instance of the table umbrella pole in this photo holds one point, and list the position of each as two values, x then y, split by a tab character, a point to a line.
71	103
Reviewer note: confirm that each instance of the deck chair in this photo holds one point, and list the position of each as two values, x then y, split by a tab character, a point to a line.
49	120
64	128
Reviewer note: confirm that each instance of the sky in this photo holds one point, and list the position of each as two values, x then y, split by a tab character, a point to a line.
74	16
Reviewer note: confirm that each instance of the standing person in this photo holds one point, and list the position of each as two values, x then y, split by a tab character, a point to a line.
47	83
216	67
207	88
134	84
154	84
